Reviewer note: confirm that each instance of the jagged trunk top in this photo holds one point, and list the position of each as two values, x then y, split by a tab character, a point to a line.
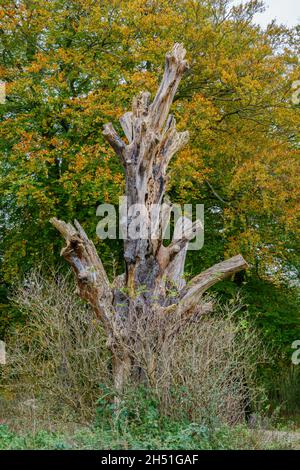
152	141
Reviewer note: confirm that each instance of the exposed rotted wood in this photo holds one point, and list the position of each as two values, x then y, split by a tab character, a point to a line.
152	141
92	281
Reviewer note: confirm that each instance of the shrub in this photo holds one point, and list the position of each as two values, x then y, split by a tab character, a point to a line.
207	370
58	356
59	363
286	391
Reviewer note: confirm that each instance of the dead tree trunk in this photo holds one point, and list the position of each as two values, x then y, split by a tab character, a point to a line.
150	266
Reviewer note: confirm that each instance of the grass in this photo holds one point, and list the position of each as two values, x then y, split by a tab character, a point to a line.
59	376
137	423
189	437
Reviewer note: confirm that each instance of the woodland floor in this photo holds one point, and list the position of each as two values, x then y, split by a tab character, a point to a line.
75	437
286	438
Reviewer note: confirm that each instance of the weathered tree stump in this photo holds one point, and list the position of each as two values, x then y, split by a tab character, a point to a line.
141	293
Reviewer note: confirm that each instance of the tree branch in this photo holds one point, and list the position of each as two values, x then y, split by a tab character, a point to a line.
114	140
202	282
92	281
175	66
217	196
172	258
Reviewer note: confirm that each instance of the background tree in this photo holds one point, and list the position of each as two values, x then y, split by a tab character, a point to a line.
72	66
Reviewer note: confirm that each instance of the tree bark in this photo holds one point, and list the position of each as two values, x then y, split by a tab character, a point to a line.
142	292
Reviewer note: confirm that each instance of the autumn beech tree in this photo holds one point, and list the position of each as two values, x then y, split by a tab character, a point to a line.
152	269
